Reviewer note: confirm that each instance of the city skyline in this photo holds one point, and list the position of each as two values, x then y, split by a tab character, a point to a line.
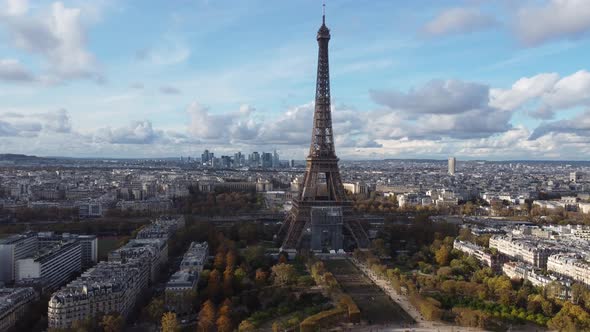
466	78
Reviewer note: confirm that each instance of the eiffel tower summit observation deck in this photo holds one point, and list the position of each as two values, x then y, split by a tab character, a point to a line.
322	218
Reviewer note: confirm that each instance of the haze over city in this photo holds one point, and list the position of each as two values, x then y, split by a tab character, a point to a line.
477	79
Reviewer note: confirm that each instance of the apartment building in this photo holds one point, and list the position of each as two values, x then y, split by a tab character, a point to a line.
12	249
570	265
14	305
88	244
183	283
151	252
493	261
107	287
522	249
163	227
53	265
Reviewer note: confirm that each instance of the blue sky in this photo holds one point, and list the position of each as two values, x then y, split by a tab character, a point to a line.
410	79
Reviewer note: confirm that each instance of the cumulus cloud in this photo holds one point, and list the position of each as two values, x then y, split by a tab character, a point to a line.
435	97
56	34
570	91
19	128
436	110
458	21
58	121
548	93
226	127
12	70
544	113
291	127
29	125
138	132
579	126
522	91
471	124
17	7
555	19
205	125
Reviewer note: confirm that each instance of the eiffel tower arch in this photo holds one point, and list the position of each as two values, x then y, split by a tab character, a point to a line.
322	215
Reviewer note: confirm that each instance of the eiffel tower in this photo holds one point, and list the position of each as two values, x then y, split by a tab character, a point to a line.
322	185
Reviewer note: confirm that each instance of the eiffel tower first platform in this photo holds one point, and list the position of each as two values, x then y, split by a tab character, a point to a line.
322	217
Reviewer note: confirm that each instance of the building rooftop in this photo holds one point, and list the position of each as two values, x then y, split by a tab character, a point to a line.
12	296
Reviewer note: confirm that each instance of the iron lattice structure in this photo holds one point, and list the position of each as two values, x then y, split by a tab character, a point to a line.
322	184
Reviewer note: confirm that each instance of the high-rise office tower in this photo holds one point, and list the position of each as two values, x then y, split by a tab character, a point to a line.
452	162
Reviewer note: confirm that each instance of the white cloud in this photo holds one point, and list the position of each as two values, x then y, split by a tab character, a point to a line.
439	109
17	7
570	91
522	91
223	128
12	70
554	19
457	21
552	92
58	35
139	132
28	125
578	126
58	121
435	97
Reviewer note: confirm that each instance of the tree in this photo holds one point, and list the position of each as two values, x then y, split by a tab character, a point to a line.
570	318
225	308
246	326
468	209
112	323
214	285
261	277
224	324
239	275
228	282
231	259
471	318
219	261
170	322
206	317
283	274
88	324
155	309
442	256
254	255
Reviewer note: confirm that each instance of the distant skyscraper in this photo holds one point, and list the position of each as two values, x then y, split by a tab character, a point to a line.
452	162
205	157
255	159
276	163
237	159
267	160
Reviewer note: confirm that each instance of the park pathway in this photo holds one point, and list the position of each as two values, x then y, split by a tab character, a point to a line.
421	323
